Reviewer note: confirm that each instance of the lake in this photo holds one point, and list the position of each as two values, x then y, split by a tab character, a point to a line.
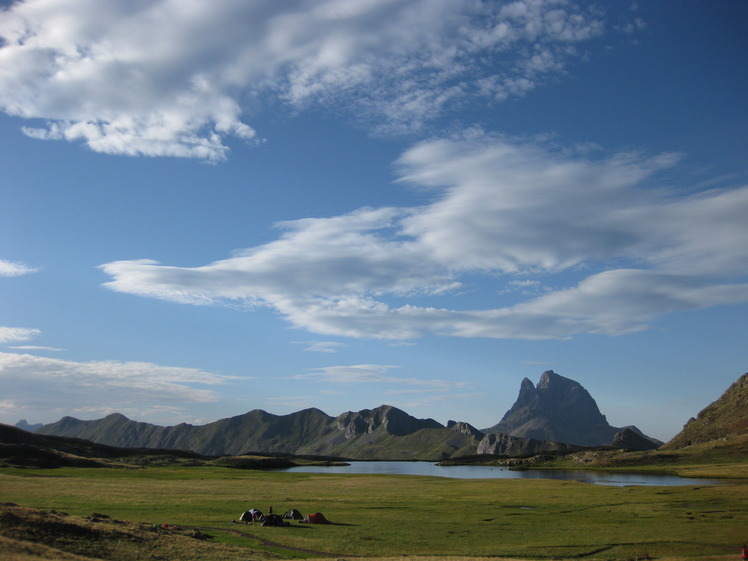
493	472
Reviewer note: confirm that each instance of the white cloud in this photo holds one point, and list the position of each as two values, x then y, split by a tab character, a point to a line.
357	373
13	334
613	249
291	402
14	269
521	207
177	78
322	346
36	348
377	374
403	392
38	385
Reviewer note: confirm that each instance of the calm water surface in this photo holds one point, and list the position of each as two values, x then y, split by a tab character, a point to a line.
492	472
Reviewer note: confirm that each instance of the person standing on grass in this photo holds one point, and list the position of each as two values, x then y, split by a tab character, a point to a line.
744	553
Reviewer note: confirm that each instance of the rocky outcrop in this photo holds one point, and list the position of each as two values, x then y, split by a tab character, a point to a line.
631	438
499	444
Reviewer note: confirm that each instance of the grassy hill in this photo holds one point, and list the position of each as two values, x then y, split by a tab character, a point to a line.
724	420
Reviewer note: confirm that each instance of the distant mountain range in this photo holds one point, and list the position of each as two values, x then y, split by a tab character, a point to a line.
24	425
719	431
556	416
20	448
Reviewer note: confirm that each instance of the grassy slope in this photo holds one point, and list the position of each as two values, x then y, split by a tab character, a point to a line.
33	534
721	459
425	443
389	516
724	419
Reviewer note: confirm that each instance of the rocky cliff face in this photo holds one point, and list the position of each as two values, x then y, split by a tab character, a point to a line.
557	409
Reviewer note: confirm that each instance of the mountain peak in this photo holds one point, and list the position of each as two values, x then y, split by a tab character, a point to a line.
386	418
557	409
465	429
548	377
23	424
527	385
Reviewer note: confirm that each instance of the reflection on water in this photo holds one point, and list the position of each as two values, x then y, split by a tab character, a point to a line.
493	472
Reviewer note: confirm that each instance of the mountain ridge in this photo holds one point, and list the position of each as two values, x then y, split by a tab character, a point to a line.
546	419
355	435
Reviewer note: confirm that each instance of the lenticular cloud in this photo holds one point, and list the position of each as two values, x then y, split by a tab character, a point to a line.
167	78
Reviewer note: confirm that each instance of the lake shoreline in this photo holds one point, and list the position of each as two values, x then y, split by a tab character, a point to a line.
423	468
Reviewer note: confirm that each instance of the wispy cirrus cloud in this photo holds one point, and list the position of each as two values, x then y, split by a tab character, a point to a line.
17	334
167	78
378	374
36	348
611	247
357	373
322	346
101	387
381	379
14	269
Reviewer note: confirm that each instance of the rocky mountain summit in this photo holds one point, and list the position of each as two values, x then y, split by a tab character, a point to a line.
555	416
559	409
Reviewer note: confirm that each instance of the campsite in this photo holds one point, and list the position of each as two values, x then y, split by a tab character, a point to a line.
381	516
255	516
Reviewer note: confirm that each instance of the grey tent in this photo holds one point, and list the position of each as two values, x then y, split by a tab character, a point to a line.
293	514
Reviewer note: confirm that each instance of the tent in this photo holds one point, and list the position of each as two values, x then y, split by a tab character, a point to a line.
316	518
293	514
274	520
251	515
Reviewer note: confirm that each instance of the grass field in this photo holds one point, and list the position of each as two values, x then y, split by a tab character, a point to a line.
390	516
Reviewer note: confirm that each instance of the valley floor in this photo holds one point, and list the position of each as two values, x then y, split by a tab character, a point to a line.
118	514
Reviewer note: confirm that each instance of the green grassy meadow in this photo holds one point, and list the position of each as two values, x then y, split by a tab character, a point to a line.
391	516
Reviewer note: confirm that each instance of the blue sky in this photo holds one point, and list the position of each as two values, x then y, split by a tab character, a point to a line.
208	209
